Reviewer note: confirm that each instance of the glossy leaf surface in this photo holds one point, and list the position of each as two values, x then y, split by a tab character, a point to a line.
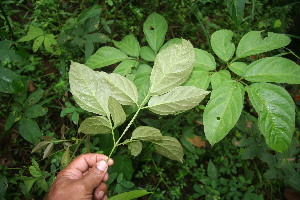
222	45
276	114
129	45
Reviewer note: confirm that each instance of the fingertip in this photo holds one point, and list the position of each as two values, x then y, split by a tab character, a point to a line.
110	162
102	165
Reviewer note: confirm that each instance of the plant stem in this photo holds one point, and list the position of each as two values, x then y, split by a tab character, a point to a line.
140	107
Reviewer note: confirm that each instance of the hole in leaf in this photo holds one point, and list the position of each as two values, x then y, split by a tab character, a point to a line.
151	28
218	118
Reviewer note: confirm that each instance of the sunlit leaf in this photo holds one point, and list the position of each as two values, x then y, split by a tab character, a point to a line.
147	54
146	133
172	67
33	32
219	77
135	147
179	99
238	68
169	147
204	60
130	195
117	113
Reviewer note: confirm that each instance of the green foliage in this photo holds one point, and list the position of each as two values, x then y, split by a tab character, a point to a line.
34	93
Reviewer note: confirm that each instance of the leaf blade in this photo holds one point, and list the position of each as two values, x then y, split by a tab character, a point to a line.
273	69
116	111
172	67
155	28
223	110
252	43
105	56
179	99
95	125
276	114
129	45
222	45
170	148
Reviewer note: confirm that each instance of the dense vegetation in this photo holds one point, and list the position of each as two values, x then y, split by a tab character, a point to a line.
40	118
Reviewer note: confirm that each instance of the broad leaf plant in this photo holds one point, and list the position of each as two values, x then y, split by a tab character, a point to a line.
173	77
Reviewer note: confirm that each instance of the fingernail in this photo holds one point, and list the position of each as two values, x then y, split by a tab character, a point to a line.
102	166
100	194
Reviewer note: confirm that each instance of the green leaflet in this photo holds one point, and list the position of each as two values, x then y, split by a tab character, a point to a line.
95	125
222	45
65	159
155	28
34	97
32	33
50	43
48	150
171	42
179	99
116	111
199	79
172	67
135	147
122	89
105	56
147	54
130	195
204	60
37	43
142	81
212	171
146	133
35	111
252	43
129	45
90	90
29	130
10	82
276	114
88	13
238	68
125	67
273	69
219	77
40	145
223	110
170	148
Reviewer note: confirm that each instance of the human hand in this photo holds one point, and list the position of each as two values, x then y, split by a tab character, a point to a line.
83	178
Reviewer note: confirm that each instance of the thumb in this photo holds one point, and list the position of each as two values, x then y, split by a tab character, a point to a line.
94	177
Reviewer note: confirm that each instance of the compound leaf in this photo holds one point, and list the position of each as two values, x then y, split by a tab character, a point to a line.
273	69
238	68
219	77
122	88
116	111
147	54
223	110
146	133
222	45
276	114
252	43
172	67
90	90
135	147
179	99
169	147
204	60
95	125
129	45
105	56
33	32
155	28
130	195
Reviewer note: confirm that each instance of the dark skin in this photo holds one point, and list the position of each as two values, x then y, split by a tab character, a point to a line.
83	178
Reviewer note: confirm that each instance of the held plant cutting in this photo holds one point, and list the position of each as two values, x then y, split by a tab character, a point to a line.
104	94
